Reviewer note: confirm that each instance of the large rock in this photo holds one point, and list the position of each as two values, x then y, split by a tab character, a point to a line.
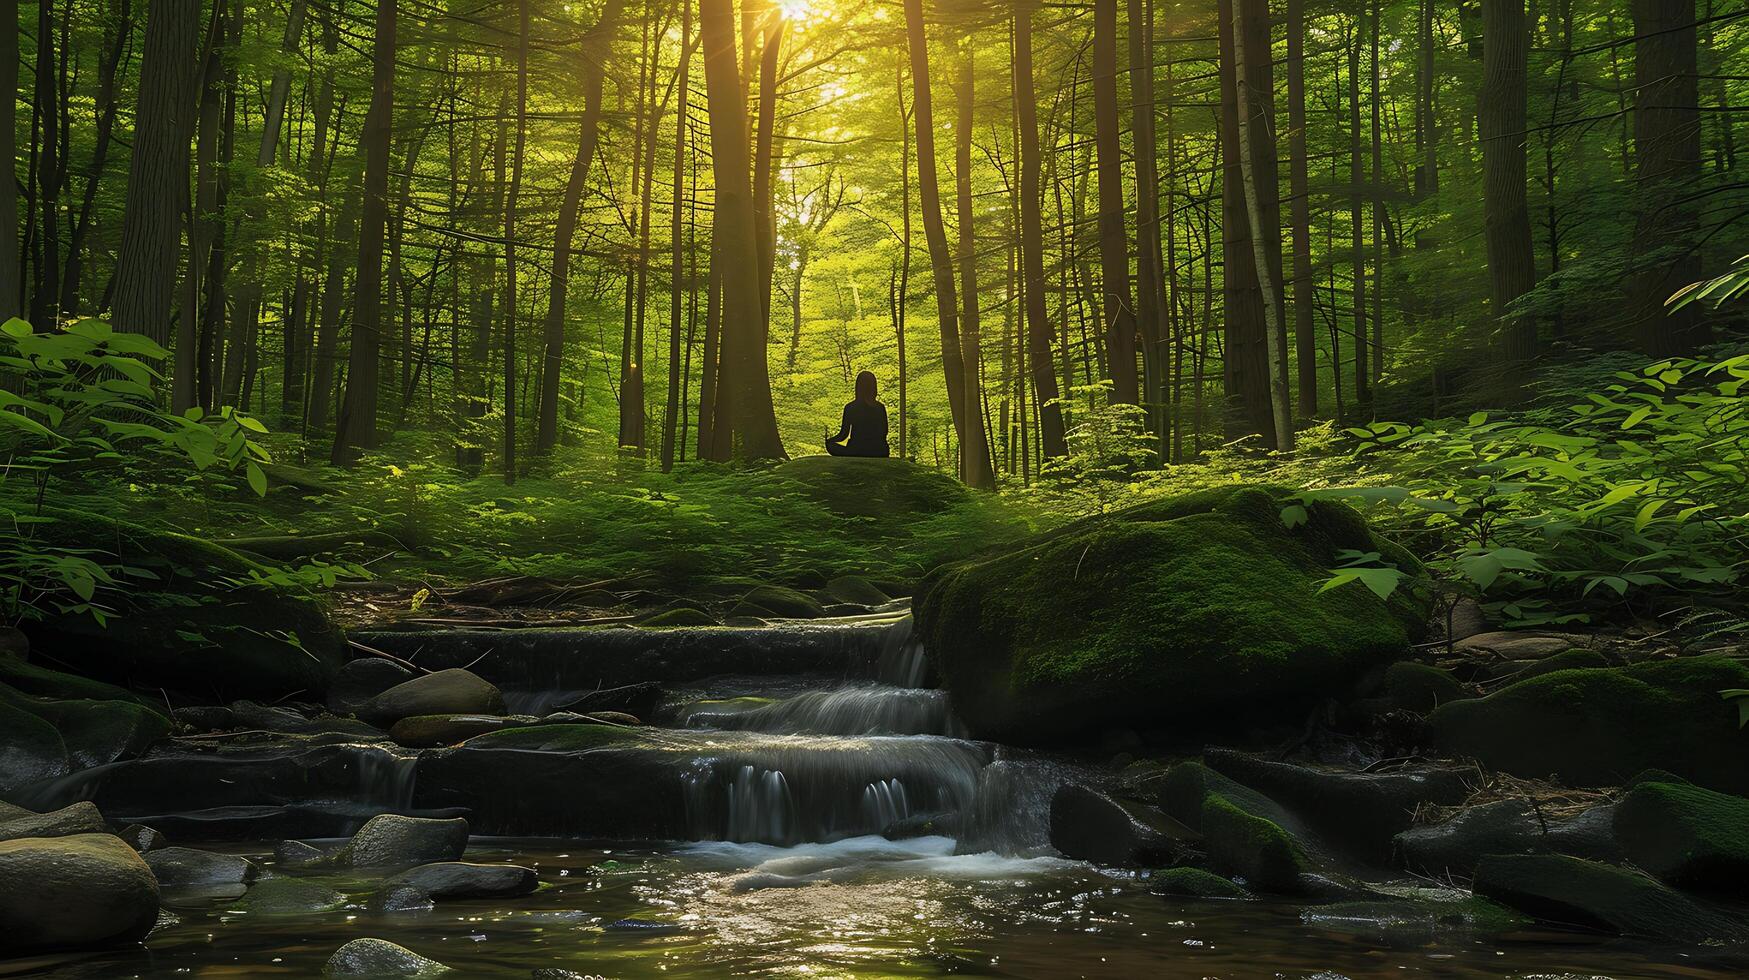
1195	611
73	892
186	867
1454	846
357	681
1359	812
390	840
1688	836
878	488
1574	892
460	879
447	692
1088	825
43	739
1245	833
78	818
1194	883
1594	727
289	896
375	959
785	602
433	731
210	622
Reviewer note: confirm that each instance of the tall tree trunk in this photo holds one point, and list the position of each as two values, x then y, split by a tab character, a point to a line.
1668	154
512	307
1300	211
976	467
764	214
1357	218
1247	369
1377	183
1046	394
902	300
108	101
1426	129
1114	258
929	199
744	423
11	279
676	379
145	270
195	353
45	298
1252	116
356	427
1502	116
1150	288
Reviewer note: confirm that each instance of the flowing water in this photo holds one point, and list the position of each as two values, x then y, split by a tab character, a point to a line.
791	788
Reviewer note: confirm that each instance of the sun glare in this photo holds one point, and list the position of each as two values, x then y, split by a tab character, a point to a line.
796	10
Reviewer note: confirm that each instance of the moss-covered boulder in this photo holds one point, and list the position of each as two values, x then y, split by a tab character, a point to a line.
1194	883
1198	610
1600	726
196	617
1686	835
683	616
785	602
1586	894
1410	686
43	739
1251	848
879	488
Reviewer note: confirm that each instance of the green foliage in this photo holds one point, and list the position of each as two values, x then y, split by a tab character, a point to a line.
1109	445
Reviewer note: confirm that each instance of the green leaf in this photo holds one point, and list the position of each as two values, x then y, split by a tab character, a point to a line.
257	480
1294	515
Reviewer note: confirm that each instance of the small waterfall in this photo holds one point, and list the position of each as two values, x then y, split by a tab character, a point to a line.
790	790
902	662
1011	812
870	710
387	779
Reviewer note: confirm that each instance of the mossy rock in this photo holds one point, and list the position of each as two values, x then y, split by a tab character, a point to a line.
1599	726
1574	892
42	739
1184	613
1250	847
35	679
558	738
1565	660
876	488
1410	686
1686	835
784	602
204	624
682	616
1194	883
858	590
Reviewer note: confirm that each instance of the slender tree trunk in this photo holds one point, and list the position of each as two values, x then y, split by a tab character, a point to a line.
1357	218
1668	155
512	308
145	272
1426	127
45	299
904	296
1150	288
1114	258
683	73
976	466
1378	206
11	277
929	194
1032	260
764	214
745	423
1300	210
356	427
1502	116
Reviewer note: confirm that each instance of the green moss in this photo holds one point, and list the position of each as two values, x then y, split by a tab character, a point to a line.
1686	835
202	625
558	738
878	488
1600	726
1418	687
1250	847
1194	883
680	617
41	738
1565	660
784	602
1574	892
41	681
1184	611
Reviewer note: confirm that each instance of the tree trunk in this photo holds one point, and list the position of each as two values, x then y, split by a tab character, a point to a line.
145	270
744	422
512	309
1668	154
975	464
676	380
1502	116
11	280
1032	260
356	427
1114	258
1357	219
1150	287
1300	211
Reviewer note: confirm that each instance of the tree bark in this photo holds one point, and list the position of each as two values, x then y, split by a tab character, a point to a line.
1114	258
1150	278
1032	258
676	380
512	309
11	279
975	464
145	271
1668	155
1502	115
1300	213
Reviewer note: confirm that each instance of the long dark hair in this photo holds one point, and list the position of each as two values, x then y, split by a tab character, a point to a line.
865	388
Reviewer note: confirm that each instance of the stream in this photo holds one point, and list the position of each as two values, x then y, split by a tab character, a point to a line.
786	784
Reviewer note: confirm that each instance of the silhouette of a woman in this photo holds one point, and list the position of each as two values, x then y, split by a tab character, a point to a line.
864	423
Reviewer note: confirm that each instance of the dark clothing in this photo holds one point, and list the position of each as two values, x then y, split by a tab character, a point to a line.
866	425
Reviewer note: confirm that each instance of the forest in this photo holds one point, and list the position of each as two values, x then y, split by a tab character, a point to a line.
1288	513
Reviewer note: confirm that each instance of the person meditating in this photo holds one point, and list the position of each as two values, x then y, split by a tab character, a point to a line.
864	423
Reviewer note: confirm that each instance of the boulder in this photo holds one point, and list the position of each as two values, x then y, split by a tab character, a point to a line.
43	682
1686	835
640	699
683	616
1515	644
1193	883
1409	686
43	739
432	731
1523	670
1454	846
1357	811
357	681
459	879
212	622
784	602
1087	825
288	896
185	867
856	590
374	959
1251	848
1597	727
142	838
1571	891
79	818
447	692
1197	611
292	853
389	840
73	892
